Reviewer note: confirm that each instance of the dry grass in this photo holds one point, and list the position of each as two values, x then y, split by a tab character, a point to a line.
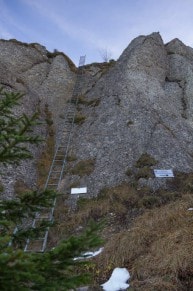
145	160
20	187
149	233
118	206
61	215
71	158
182	182
157	250
143	165
45	159
84	101
102	66
144	172
109	206
79	119
82	168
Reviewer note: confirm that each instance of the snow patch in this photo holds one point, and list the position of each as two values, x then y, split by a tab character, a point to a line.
117	280
190	209
93	254
89	255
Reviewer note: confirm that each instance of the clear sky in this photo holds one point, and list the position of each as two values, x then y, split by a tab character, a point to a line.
87	27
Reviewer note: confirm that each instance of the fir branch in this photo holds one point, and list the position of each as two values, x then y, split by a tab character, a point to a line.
15	131
54	269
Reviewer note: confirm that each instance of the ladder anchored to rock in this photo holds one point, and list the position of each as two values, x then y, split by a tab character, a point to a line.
56	171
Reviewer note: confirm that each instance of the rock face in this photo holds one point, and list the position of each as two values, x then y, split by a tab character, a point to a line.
142	106
45	79
145	108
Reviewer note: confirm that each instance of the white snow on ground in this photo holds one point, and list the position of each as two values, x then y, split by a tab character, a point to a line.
93	254
190	209
117	280
89	255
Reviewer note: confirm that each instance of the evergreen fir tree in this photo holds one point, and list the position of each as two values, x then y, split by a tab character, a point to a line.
19	270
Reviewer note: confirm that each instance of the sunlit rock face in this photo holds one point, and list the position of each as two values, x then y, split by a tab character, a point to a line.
145	107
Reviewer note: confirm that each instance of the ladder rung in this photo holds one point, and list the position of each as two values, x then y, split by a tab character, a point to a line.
42	215
39	239
59	160
43	218
56	173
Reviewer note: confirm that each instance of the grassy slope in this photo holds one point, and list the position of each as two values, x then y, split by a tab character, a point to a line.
149	233
157	249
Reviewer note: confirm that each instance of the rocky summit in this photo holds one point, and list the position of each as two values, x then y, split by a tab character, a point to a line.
137	112
145	110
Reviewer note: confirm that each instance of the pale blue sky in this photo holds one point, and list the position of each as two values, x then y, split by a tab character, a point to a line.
85	27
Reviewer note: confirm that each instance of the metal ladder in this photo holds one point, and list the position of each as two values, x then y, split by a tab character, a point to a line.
56	171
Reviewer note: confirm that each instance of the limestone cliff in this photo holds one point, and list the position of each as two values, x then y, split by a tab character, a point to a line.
47	81
141	105
145	109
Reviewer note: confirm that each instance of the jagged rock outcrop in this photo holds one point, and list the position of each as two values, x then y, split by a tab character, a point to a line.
145	108
180	71
45	79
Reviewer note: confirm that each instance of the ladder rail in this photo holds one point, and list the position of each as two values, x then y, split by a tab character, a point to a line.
67	148
67	123
50	170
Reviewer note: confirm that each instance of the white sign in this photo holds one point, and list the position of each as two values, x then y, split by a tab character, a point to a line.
164	173
82	190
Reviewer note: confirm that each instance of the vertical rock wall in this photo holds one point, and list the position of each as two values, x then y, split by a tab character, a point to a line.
46	80
145	108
